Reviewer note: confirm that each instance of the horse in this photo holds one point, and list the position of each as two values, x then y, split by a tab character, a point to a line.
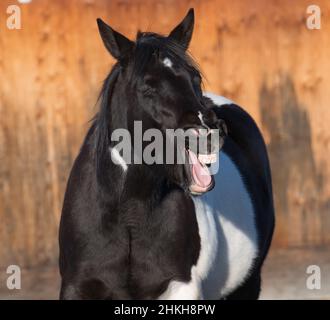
164	231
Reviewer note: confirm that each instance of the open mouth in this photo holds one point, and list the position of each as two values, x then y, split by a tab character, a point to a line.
202	180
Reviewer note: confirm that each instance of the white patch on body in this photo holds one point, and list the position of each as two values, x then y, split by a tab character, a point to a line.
226	222
168	63
118	159
218	100
228	235
228	232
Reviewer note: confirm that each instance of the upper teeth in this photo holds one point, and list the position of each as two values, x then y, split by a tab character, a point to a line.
207	158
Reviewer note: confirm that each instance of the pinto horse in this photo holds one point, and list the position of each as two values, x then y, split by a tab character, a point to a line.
165	231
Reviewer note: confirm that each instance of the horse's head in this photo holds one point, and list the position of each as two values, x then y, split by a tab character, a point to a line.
159	84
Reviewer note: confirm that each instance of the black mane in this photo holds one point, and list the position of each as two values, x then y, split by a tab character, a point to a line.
101	123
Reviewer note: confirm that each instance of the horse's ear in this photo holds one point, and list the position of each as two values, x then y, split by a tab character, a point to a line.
117	44
182	33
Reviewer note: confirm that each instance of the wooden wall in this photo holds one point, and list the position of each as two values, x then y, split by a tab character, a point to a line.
257	52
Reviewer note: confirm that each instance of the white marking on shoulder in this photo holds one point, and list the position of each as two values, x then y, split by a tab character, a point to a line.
118	159
228	232
218	100
168	63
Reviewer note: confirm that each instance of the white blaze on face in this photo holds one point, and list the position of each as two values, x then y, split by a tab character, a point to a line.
168	63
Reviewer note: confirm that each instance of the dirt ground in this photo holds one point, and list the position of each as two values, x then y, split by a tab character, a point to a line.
284	277
285	274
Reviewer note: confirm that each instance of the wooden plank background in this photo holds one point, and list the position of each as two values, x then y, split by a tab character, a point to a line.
257	52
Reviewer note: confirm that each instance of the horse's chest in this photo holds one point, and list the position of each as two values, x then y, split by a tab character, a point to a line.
228	234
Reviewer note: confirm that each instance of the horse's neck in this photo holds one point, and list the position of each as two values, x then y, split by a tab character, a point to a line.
143	182
132	195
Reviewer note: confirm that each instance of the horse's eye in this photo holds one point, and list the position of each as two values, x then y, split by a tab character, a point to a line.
150	80
147	90
148	85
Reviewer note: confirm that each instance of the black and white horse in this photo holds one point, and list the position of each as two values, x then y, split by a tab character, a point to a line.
138	231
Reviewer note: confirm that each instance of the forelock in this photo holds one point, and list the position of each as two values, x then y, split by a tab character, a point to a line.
150	44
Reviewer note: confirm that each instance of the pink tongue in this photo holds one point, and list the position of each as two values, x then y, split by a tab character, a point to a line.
200	174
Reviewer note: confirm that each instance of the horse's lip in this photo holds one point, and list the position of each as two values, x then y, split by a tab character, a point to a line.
194	188
209	188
